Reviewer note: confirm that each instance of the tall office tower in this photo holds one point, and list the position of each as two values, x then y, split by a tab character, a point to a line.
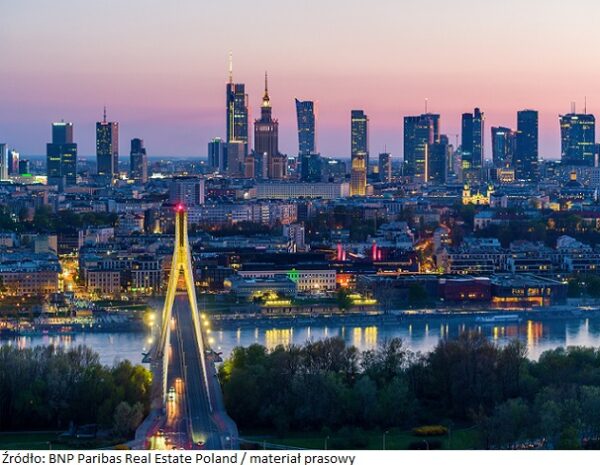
13	162
472	145
359	152
577	139
419	133
236	111
438	155
305	112
236	158
503	146
61	156
107	148
385	167
23	167
266	138
187	190
310	162
3	162
525	161
138	161
217	155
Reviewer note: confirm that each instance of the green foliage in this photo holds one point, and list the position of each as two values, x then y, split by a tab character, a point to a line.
470	380
49	387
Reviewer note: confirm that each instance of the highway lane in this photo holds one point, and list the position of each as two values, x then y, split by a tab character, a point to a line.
201	426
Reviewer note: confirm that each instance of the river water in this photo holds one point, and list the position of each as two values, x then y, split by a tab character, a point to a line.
539	335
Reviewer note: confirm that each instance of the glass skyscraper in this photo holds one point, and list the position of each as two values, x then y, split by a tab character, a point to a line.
236	112
419	133
503	146
359	152
472	140
138	161
305	112
61	156
525	161
107	148
577	139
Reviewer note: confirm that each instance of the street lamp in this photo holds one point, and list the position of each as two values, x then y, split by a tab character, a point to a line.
384	436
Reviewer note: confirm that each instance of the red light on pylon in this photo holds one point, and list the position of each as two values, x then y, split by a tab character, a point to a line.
180	207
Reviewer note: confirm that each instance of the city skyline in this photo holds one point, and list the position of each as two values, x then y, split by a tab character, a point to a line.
178	108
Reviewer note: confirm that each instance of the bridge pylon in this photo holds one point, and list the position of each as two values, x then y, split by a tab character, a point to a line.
181	265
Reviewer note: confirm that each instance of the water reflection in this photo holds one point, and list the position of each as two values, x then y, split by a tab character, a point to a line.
419	336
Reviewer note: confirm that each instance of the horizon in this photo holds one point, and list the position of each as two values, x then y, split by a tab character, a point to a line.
472	55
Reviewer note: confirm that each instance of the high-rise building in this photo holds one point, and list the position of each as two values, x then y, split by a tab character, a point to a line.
23	167
311	169
107	148
525	161
13	162
61	156
577	139
217	155
385	167
438	155
235	158
187	190
472	139
138	161
266	139
359	152
503	146
3	162
419	133
236	111
305	112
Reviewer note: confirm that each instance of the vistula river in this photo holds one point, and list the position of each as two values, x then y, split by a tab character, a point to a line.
419	335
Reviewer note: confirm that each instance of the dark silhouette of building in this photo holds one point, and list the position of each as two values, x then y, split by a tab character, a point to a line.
305	112
107	148
504	142
577	139
138	161
217	155
419	133
385	167
359	152
525	160
438	160
61	156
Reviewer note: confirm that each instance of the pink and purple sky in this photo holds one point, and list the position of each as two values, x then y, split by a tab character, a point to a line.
161	67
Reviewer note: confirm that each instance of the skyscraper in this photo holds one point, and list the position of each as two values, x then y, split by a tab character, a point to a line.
138	161
61	156
305	113
438	155
577	139
385	167
187	190
525	161
472	143
107	148
359	152
217	155
266	138
419	133
503	146
236	111
13	162
3	162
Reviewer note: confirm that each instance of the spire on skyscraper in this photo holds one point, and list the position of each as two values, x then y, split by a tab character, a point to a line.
104	116
266	100
230	68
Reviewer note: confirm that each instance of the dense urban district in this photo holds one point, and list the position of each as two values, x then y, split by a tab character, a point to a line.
87	245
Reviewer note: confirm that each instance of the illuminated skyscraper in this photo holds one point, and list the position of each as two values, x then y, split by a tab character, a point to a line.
305	112
503	146
61	156
359	152
236	111
385	167
438	155
577	139
472	139
107	148
419	133
525	161
138	161
266	139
